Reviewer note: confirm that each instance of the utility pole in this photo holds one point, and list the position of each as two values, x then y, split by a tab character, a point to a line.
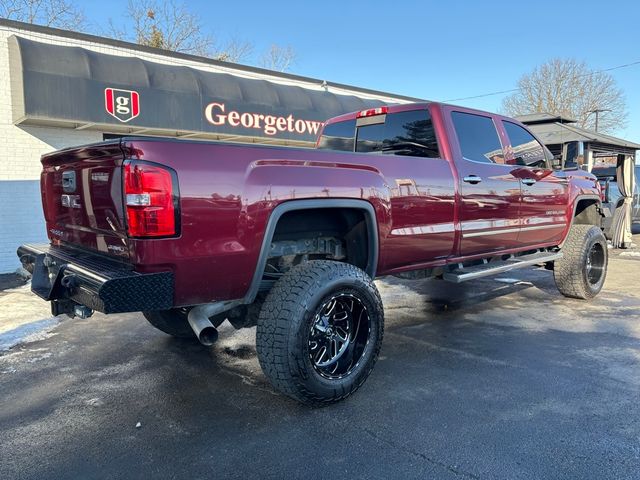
597	111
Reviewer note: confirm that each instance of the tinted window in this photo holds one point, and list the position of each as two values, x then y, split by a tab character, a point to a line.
402	133
338	136
478	137
526	149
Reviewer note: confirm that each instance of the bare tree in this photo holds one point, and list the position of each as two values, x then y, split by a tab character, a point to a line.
51	13
278	58
172	26
235	51
168	25
568	87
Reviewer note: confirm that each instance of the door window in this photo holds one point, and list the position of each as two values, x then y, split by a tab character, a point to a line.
526	149
478	138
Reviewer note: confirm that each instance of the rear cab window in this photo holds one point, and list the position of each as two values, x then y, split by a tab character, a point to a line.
409	133
338	136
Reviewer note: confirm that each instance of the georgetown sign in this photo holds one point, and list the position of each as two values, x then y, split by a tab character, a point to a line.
269	125
97	89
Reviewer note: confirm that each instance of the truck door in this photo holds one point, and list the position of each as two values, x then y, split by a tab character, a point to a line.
489	209
402	145
545	196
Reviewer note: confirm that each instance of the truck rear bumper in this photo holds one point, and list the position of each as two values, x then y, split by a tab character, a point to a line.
67	278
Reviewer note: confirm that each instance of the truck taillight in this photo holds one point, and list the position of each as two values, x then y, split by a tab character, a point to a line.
150	192
372	112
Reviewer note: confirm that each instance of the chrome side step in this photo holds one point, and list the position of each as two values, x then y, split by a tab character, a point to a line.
462	274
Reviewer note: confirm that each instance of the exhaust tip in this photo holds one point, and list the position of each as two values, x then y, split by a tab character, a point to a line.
208	336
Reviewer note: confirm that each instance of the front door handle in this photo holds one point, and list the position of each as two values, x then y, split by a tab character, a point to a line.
472	179
529	181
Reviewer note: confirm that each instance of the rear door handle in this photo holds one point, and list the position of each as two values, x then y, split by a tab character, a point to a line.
529	181
472	179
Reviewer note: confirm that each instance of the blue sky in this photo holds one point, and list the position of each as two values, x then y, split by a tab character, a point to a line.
438	50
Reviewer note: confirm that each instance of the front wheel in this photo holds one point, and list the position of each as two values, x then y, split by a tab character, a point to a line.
320	331
581	271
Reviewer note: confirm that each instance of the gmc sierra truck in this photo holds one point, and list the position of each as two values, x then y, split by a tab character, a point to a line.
194	233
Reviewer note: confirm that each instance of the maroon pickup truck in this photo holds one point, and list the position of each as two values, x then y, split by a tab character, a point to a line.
194	233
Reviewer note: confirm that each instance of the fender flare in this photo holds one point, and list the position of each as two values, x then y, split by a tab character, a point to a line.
574	209
583	197
292	205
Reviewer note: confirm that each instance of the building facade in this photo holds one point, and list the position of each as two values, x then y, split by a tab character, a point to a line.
60	89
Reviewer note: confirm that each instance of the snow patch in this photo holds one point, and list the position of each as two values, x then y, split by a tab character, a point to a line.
24	317
29	332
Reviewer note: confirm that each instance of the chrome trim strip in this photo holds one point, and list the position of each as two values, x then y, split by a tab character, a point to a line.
512	230
424	229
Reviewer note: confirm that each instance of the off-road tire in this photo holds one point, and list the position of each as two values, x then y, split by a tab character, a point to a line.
288	316
574	278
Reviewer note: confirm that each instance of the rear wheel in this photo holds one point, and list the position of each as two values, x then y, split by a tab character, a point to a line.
581	271
319	331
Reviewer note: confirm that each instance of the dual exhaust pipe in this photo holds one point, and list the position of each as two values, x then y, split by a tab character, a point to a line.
199	321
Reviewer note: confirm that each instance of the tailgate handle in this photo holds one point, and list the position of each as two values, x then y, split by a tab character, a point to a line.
69	181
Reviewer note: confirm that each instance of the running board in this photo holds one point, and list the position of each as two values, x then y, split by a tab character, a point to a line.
462	274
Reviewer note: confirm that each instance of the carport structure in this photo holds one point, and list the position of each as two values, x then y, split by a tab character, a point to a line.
574	145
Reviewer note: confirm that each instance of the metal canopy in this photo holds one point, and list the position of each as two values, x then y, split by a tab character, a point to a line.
69	87
533	118
553	132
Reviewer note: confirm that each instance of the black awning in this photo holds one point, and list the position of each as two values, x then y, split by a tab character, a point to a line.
53	84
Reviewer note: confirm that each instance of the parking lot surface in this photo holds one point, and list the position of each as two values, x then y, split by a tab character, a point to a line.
498	378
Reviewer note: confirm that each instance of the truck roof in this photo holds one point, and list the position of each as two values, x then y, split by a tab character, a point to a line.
392	109
420	105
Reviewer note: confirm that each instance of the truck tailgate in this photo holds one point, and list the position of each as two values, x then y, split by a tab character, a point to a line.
82	198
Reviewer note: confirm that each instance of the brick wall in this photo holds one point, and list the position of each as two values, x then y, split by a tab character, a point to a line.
21	217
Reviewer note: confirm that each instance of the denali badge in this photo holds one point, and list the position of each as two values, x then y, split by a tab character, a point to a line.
71	201
122	104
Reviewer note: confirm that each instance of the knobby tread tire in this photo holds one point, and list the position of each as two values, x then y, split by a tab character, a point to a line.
283	326
569	271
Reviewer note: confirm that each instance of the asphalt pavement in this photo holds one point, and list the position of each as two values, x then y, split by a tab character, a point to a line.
498	378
